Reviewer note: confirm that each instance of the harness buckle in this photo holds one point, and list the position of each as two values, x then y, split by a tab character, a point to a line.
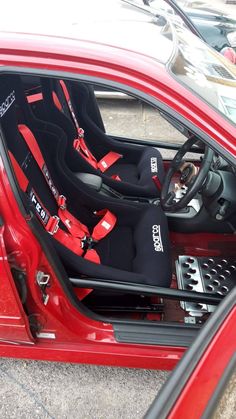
53	225
62	202
87	243
80	133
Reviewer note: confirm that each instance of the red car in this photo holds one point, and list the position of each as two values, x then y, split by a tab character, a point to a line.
110	254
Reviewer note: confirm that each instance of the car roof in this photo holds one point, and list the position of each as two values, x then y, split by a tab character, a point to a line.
109	22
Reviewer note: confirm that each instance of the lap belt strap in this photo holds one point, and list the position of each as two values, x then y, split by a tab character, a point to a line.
75	228
79	143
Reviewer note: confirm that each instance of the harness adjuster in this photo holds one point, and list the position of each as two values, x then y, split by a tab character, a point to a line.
87	243
53	225
62	202
76	144
80	133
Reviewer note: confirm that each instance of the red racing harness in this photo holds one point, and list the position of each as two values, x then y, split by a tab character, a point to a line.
79	143
77	238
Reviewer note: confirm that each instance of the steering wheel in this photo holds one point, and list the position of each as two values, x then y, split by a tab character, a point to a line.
191	177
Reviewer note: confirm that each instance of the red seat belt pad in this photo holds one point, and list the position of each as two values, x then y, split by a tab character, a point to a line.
74	226
73	239
75	244
105	225
37	97
77	231
108	160
72	243
157	182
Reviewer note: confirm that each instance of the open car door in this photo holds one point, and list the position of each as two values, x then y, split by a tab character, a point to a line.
199	385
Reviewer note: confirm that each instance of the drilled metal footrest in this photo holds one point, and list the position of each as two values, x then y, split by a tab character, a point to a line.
213	275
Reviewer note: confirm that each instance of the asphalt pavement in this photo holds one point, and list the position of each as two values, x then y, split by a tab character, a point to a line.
43	390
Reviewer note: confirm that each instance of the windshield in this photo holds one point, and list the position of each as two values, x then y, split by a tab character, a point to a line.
203	70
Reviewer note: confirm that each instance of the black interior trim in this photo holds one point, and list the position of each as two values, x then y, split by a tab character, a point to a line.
157	143
162	334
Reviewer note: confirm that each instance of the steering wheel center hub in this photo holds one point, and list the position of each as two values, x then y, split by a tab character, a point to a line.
188	171
190	175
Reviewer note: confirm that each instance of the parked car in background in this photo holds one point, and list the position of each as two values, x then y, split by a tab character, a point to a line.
215	27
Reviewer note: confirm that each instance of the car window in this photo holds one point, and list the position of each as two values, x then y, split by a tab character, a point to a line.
127	117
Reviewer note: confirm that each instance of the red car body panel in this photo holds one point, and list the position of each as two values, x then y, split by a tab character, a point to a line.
199	386
208	373
74	336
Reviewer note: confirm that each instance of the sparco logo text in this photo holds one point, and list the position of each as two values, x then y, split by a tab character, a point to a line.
154	168
156	235
7	103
